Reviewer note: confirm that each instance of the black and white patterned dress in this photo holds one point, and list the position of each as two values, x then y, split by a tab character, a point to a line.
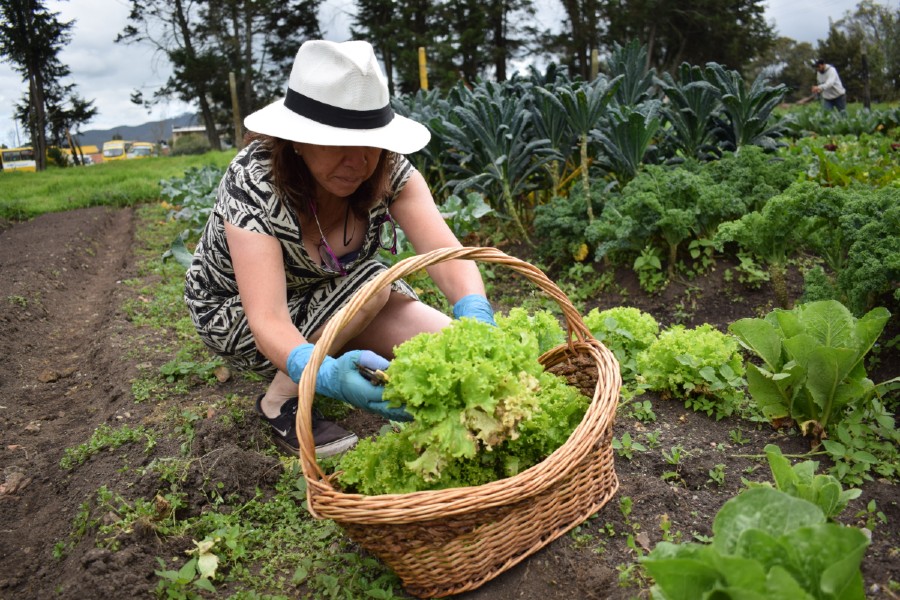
246	199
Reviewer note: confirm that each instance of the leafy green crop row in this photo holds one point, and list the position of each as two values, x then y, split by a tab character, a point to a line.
750	205
812	375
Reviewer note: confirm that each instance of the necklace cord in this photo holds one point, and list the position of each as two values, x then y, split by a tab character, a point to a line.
347	218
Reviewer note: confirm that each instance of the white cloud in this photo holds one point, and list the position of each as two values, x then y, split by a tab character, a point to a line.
807	20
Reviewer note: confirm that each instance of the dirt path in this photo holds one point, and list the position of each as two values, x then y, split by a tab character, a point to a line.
59	336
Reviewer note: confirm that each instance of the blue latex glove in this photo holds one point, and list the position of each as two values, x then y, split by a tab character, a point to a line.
474	306
340	379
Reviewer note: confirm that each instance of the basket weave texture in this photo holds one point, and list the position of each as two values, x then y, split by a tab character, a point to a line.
445	542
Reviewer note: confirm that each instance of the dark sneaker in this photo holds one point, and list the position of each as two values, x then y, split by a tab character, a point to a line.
330	437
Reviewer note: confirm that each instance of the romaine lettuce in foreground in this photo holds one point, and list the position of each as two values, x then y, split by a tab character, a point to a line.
767	545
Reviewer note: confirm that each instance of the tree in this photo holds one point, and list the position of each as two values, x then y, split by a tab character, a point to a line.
168	26
31	37
482	37
727	32
789	62
256	40
205	40
395	30
581	36
876	29
66	112
463	39
376	22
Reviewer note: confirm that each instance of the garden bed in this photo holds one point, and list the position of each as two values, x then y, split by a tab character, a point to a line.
71	353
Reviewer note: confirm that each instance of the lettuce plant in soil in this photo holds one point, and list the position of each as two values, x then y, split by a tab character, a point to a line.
812	369
767	545
702	366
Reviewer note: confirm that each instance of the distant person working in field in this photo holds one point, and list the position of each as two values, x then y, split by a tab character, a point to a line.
299	218
829	86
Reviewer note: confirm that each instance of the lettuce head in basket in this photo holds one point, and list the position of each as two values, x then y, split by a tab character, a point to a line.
484	408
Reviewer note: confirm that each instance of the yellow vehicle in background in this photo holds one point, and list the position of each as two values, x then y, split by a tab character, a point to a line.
18	159
142	150
116	150
88	153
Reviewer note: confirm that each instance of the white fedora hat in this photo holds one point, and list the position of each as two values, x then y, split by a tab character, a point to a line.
338	96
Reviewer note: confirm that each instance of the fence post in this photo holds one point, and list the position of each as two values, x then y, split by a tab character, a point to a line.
867	96
595	64
423	71
235	111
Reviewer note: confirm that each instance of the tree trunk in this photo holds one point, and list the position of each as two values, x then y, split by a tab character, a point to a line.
38	122
199	85
500	43
209	121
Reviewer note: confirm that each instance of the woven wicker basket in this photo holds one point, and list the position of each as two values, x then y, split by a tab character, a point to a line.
444	542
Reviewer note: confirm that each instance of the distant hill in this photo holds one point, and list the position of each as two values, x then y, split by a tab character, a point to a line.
153	131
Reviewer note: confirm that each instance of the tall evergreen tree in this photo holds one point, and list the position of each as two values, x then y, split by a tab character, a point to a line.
397	29
728	32
31	37
463	39
580	36
376	21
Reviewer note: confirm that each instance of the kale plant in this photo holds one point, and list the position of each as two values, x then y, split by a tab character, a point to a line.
860	244
756	175
626	137
664	206
775	232
559	225
693	102
747	112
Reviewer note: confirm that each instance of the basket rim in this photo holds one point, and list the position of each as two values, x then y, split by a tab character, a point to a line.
327	501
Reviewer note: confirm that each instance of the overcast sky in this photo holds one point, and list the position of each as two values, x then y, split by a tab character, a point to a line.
108	73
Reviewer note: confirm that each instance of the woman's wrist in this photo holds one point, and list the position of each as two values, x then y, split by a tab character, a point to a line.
297	360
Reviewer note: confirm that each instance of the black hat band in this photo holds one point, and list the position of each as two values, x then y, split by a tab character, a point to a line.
336	116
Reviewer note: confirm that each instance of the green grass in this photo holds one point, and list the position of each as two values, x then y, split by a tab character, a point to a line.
118	183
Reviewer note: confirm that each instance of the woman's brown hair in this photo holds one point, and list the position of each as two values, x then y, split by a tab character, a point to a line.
295	185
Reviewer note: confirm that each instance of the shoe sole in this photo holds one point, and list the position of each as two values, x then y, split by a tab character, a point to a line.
323	451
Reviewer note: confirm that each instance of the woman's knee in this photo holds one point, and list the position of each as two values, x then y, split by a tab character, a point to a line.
373	306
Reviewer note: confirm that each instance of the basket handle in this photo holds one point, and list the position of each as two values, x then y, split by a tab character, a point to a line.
576	329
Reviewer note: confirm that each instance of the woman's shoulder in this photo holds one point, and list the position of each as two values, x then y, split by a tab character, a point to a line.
401	170
248	179
253	162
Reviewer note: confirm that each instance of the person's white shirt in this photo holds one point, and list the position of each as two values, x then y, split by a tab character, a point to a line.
829	83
